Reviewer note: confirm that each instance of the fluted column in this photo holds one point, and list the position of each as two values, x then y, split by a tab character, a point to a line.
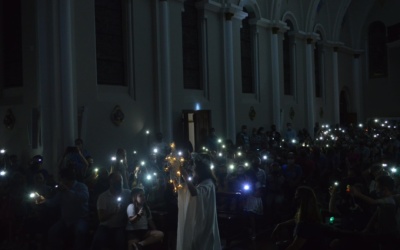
66	73
310	92
276	95
357	86
165	71
336	107
229	76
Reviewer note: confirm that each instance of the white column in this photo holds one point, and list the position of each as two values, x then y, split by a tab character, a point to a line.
276	93
336	108
66	74
165	70
310	93
230	80
357	86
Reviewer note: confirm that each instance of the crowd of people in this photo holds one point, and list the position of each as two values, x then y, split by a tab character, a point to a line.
335	189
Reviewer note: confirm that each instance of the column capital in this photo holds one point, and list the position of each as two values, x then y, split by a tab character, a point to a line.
228	16
275	30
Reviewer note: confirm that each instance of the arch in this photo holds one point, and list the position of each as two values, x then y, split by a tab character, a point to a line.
337	25
312	11
276	9
318	28
252	8
291	17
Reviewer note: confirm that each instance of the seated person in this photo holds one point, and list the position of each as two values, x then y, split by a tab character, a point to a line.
111	207
141	228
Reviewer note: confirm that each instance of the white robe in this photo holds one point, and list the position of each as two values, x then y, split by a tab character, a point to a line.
197	218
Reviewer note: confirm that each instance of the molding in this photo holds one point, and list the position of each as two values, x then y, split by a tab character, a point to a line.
209	5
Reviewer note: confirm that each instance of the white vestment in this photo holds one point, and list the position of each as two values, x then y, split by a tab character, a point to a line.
197	218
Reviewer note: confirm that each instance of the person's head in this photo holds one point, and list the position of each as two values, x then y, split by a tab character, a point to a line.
290	158
36	162
116	182
384	185
244	128
275	168
79	143
202	168
273	127
67	176
121	154
137	196
308	210
261	131
288	125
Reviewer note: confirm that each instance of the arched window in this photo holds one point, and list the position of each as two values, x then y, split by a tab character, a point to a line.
11	41
110	49
318	74
287	60
377	52
191	46
246	55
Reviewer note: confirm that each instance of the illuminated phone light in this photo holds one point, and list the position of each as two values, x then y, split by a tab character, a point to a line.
331	220
394	170
212	166
220	154
384	165
142	163
246	187
266	157
170	181
33	195
119	199
113	158
219	140
189	178
155	174
386	122
3	173
179	153
232	167
321	138
2	151
96	170
148	177
239	153
134	152
155	150
336	183
223	146
360	125
147	132
56	186
376	120
246	164
327	145
121	161
293	141
178	172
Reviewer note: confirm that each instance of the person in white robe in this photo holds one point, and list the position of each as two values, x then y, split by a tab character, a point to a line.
197	212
